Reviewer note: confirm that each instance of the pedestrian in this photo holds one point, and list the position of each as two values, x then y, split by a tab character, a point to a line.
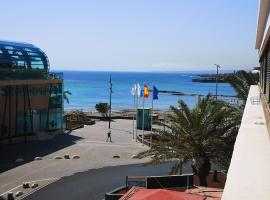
109	136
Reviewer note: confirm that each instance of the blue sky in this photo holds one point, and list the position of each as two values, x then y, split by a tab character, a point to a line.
136	35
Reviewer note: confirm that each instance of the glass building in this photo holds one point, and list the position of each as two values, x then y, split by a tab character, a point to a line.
31	97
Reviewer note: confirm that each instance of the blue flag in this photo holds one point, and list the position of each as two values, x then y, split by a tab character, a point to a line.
141	94
155	93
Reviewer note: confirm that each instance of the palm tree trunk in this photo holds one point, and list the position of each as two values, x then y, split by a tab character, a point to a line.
203	181
201	167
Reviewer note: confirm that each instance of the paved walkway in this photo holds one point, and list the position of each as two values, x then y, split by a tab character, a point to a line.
249	173
88	143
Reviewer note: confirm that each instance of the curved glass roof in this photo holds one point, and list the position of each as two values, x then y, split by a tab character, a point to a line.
17	55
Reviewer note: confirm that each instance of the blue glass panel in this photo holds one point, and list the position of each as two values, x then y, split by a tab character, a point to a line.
22	55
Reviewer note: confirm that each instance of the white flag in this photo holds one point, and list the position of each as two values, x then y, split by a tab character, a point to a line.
133	91
138	90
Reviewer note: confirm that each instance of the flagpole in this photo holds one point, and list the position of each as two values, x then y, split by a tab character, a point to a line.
137	102
134	111
110	112
136	108
143	123
152	111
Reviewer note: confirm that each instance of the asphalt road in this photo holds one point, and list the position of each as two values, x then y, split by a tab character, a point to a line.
94	183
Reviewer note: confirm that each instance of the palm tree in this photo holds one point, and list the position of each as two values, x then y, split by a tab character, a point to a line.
199	135
66	95
241	82
103	108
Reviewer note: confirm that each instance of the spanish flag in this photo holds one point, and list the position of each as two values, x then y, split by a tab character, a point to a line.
145	91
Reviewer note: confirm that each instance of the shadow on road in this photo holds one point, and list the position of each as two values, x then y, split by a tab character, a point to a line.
28	151
84	185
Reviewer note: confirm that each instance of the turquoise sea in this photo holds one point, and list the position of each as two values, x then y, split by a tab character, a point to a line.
89	88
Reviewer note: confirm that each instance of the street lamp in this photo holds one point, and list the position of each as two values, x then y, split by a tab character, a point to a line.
218	66
110	111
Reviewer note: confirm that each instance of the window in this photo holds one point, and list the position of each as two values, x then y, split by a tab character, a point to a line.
21	63
32	54
2	92
27	49
9	47
18	53
36	58
22	56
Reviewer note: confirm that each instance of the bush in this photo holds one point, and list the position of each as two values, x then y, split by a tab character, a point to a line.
103	108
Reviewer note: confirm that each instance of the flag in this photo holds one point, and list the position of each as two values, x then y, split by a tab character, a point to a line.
145	91
155	93
138	90
141	93
133	90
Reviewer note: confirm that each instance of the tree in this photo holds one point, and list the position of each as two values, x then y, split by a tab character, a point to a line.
199	135
241	82
103	108
66	95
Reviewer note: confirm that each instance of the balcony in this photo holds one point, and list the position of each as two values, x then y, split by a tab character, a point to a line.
249	173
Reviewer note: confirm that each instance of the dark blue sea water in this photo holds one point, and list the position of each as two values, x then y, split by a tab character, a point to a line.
89	88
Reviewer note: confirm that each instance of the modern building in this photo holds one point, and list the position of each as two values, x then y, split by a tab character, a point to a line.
263	47
249	175
31	97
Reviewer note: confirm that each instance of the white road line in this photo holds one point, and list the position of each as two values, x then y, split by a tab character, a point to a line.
46	179
11	190
38	188
32	172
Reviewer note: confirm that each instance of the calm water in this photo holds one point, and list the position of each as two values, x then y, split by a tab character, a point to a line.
89	88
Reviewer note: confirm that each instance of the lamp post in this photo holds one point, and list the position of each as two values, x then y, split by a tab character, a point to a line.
218	66
110	111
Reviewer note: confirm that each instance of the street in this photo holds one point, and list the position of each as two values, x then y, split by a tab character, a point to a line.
94	183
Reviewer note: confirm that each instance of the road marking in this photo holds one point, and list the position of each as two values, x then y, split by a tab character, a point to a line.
46	179
32	172
39	188
11	190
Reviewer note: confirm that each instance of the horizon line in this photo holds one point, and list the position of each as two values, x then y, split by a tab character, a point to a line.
153	71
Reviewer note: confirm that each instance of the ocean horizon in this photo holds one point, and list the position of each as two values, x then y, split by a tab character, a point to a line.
91	87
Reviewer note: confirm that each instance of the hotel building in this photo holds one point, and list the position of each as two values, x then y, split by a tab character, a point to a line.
249	175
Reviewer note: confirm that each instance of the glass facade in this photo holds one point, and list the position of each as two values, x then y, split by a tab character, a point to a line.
28	107
22	61
22	56
55	108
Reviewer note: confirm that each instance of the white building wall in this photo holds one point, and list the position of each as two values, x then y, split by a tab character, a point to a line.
248	177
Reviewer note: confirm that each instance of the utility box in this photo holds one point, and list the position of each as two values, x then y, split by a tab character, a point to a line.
147	119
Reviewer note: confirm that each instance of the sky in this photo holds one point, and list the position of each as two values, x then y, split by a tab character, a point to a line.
136	35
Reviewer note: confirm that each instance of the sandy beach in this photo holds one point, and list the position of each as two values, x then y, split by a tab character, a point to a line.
89	143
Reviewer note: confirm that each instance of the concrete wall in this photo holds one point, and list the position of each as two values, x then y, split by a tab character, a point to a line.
248	177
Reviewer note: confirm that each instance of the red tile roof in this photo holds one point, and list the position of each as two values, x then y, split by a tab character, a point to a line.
136	193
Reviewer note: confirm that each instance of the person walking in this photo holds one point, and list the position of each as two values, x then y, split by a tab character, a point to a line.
109	136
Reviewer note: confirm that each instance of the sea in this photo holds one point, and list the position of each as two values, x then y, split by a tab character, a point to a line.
91	87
